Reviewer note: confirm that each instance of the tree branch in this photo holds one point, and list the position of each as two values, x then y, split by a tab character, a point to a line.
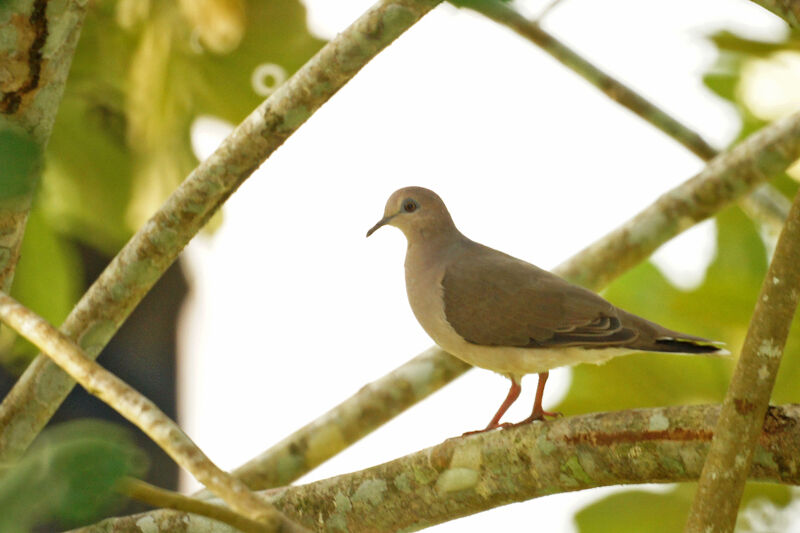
123	284
763	204
768	205
719	492
29	102
157	497
788	10
466	475
137	409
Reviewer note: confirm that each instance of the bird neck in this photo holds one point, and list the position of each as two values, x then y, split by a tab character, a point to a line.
426	245
433	237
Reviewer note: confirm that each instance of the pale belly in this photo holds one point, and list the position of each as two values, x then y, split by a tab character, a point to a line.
517	362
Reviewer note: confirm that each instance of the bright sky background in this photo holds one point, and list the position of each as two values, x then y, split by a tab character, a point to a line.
292	310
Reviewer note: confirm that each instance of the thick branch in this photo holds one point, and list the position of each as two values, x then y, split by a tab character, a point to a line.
727	178
788	10
137	409
728	465
37	43
121	286
463	476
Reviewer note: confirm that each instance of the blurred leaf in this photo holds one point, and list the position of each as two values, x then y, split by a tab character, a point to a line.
639	511
730	42
48	279
143	72
68	476
19	159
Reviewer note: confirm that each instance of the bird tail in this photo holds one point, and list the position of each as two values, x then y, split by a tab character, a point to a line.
690	346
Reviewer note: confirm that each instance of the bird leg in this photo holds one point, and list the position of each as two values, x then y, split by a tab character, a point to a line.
513	394
539	413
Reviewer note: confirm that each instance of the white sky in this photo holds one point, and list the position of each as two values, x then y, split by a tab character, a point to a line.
292	310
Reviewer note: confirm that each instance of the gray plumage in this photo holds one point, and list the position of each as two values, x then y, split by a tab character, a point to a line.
498	312
494	299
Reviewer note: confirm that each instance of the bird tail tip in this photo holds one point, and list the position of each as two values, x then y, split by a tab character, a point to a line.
694	346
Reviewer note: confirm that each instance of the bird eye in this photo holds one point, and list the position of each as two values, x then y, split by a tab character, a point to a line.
410	206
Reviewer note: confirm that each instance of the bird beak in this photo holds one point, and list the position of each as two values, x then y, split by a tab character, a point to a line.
381	222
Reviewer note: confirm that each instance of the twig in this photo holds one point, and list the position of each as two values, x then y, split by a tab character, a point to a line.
463	476
767	204
29	103
123	284
721	182
719	492
137	409
546	10
788	10
763	204
507	16
158	497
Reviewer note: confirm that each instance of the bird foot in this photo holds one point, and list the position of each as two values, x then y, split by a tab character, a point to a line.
543	415
484	430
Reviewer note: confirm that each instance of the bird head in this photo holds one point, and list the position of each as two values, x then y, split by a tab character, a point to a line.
417	212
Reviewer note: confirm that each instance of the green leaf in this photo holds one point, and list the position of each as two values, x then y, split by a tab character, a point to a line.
68	476
638	511
728	41
140	77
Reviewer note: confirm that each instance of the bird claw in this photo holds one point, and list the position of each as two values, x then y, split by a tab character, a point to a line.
543	415
478	431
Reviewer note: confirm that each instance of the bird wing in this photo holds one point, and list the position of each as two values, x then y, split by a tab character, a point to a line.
493	299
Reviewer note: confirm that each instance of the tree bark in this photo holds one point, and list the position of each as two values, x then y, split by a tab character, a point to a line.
716	503
37	43
466	475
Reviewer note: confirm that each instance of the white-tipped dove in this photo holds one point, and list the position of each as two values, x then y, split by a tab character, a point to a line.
498	312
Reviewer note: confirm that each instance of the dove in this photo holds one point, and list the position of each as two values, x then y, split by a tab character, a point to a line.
503	314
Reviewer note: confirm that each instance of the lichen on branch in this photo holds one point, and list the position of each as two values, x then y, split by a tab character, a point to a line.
466	475
736	435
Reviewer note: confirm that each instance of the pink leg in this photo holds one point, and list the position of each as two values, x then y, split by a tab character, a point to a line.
513	394
539	413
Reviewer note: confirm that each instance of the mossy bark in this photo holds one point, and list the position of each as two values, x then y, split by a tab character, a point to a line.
37	43
466	475
716	503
